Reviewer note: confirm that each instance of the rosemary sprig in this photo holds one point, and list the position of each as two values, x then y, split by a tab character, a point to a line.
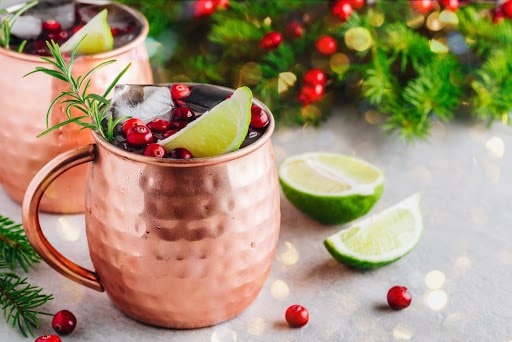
93	108
7	24
15	249
20	301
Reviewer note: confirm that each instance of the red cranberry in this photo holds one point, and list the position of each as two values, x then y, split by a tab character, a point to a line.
139	136
115	31
154	150
179	91
76	28
183	114
180	153
48	338
297	316
295	29
130	123
342	9
158	125
311	93
64	322
51	25
506	7
315	76
259	117
357	4
451	5
128	29
169	133
423	6
399	297
203	8
177	125
271	40
222	4
326	45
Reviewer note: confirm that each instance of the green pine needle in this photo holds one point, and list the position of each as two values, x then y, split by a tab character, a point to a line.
15	249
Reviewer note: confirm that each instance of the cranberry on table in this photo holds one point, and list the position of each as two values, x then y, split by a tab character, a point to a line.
48	338
259	117
139	136
399	297
64	322
180	153
179	91
297	316
130	123
154	150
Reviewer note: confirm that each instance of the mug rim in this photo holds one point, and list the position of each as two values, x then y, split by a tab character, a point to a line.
140	38
225	157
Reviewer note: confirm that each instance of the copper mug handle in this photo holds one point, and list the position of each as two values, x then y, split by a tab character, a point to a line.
30	215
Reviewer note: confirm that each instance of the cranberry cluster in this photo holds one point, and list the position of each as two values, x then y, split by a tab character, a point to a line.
141	137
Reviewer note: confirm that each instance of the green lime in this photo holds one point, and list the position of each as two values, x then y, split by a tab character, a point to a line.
331	188
94	37
220	130
380	239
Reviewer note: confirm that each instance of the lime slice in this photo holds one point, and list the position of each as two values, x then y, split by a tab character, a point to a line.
380	239
220	130
331	188
98	37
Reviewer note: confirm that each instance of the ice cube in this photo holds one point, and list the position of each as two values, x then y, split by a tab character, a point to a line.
26	27
203	97
62	11
145	102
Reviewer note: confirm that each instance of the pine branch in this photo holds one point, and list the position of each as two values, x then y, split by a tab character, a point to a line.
20	301
15	249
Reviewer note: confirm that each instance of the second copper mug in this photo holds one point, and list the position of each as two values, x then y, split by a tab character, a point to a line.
174	243
25	101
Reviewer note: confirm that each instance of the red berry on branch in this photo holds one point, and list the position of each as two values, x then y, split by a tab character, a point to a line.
342	9
295	29
203	8
297	316
423	6
64	322
271	40
315	76
506	7
399	297
498	15
357	4
326	45
311	93
451	5
223	4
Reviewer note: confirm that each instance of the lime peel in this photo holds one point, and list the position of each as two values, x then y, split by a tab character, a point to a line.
381	239
94	37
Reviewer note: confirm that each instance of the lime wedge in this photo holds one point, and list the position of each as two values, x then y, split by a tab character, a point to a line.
220	130
331	188
98	37
379	239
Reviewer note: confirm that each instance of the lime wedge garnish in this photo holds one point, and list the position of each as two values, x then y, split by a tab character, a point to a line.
331	188
220	130
98	37
379	239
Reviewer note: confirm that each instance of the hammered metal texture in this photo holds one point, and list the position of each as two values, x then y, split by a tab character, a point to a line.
25	101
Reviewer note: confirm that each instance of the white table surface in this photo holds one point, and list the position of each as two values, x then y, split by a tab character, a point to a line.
460	274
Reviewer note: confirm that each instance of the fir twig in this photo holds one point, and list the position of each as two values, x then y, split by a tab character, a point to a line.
15	249
92	107
20	301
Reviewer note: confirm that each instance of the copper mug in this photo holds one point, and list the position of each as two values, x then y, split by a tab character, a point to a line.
174	243
25	101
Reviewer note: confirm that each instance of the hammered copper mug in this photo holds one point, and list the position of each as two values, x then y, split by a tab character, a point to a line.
174	243
25	100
